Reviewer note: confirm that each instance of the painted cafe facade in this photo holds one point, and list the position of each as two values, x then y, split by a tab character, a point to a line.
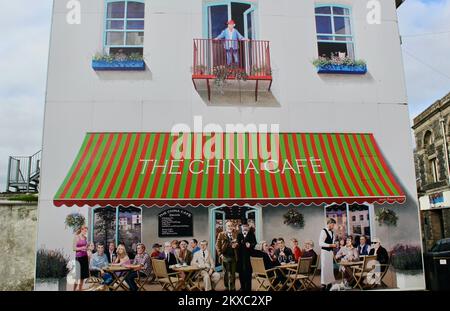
161	144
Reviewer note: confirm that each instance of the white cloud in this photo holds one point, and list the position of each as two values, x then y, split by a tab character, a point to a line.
424	84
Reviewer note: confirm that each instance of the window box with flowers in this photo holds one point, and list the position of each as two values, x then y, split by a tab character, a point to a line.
340	65
118	62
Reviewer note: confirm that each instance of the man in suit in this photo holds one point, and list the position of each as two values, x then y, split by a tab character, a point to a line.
226	247
283	253
380	252
203	260
111	252
247	241
169	257
327	245
363	247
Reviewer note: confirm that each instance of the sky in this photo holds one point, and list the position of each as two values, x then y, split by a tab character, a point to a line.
424	25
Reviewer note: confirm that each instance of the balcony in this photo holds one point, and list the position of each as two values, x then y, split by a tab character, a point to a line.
230	60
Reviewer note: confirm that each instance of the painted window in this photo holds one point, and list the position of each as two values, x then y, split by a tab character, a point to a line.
218	13
334	31
124	26
119	225
359	216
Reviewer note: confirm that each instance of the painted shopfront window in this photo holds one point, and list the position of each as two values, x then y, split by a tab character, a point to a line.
352	220
120	225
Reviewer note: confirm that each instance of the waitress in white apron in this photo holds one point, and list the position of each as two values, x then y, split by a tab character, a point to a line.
326	242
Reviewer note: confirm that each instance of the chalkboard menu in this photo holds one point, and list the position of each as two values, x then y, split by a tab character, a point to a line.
175	222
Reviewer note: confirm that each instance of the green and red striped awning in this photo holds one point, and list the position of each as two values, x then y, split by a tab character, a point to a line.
165	169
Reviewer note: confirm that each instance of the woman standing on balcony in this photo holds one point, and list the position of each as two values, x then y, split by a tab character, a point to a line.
231	37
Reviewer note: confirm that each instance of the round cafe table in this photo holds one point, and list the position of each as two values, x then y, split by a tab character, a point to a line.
119	274
348	267
190	273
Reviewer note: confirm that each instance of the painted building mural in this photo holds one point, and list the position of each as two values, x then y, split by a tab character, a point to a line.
224	110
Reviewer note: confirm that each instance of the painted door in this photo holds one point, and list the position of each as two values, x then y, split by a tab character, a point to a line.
217	16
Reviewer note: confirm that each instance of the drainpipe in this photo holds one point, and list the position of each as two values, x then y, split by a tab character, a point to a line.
444	135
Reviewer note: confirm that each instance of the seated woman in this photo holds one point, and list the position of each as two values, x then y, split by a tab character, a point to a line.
341	244
183	255
309	252
296	249
347	253
122	258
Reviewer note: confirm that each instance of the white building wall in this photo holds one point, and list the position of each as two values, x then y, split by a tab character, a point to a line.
80	100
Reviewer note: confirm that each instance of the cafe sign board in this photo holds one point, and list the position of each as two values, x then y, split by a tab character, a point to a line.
175	222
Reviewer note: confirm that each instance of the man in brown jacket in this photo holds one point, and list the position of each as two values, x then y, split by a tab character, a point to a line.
226	247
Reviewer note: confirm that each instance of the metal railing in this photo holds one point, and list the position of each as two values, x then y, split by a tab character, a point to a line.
251	57
23	173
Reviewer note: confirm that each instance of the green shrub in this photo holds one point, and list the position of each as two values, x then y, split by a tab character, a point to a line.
51	264
406	257
24	198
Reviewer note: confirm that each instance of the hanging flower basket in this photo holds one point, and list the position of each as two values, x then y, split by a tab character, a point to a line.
75	221
294	218
386	217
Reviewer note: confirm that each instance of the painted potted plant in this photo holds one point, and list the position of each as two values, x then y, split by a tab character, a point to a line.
294	218
386	217
407	262
340	65
75	221
261	71
199	69
118	62
51	270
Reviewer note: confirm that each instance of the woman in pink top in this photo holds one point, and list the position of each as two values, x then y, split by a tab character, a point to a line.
80	247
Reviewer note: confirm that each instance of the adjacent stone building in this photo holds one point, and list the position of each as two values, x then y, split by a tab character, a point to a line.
432	134
18	229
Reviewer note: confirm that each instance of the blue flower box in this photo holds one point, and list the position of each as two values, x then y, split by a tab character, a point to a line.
118	65
343	69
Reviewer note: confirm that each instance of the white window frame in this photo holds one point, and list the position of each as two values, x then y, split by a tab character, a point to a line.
371	217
